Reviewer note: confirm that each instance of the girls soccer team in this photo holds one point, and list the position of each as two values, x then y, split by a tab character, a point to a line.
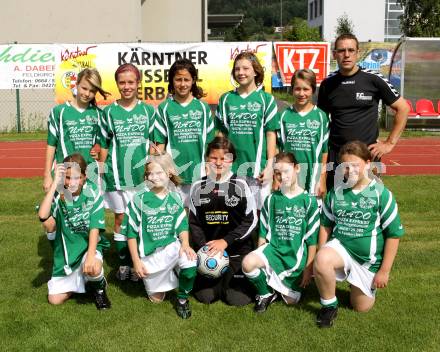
360	226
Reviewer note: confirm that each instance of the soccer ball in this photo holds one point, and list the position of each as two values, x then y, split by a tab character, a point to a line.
212	267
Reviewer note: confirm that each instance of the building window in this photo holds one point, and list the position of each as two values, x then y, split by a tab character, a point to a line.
311	11
316	8
320	7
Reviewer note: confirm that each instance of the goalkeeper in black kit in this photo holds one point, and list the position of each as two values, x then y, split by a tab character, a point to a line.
223	216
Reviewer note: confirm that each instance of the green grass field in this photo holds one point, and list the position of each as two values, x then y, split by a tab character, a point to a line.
406	316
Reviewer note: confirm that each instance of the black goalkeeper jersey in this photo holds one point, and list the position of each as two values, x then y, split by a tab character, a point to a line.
353	102
223	210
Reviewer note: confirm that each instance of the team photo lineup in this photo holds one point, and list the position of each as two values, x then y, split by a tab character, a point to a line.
249	204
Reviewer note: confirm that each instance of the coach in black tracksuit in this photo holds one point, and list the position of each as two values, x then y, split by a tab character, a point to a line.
351	97
223	215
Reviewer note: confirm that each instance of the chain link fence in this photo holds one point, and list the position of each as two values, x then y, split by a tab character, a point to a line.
25	110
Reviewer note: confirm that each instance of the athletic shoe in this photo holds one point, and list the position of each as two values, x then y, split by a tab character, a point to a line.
101	300
326	316
123	273
263	302
133	276
183	309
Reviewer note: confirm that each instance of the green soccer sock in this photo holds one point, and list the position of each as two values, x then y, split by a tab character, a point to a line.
186	282
122	249
258	278
332	302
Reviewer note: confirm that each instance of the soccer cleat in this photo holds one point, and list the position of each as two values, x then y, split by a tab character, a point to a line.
101	300
123	273
264	302
133	276
326	316
183	309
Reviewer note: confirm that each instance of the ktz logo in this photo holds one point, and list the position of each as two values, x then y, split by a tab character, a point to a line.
231	201
172	209
366	203
302	124
71	123
299	212
291	125
254	107
174	118
195	115
313	124
140	119
118	122
91	120
362	96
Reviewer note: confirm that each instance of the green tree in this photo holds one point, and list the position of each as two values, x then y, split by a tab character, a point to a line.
301	32
421	18
344	26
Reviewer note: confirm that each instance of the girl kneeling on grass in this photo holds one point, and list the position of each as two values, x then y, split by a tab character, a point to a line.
157	232
289	226
361	219
73	218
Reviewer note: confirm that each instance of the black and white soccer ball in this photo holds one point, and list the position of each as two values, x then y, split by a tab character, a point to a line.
212	267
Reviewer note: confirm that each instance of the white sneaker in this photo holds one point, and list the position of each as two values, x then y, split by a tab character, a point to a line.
123	273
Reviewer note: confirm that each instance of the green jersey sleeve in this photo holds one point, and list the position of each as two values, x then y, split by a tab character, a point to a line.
264	219
181	223
221	115
312	229
52	128
327	217
160	126
210	125
97	215
325	130
389	215
132	218
151	113
271	120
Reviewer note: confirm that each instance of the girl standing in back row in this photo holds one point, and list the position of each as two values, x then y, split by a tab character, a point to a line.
247	116
126	130
184	125
304	130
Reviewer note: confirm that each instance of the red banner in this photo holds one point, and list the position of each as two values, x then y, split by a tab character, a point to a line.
292	56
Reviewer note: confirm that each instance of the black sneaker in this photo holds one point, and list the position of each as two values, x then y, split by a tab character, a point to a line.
101	300
326	316
183	309
263	302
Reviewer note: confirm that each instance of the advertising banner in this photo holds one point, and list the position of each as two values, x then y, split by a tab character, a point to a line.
212	60
27	66
292	56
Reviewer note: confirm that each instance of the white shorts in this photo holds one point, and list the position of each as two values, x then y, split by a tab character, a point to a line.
162	266
273	279
117	201
260	191
184	191
353	272
75	282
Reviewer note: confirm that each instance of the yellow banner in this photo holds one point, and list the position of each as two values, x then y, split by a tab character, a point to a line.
213	61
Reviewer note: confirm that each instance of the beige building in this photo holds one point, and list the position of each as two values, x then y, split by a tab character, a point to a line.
87	21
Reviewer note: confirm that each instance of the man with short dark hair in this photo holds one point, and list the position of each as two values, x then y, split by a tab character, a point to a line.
351	97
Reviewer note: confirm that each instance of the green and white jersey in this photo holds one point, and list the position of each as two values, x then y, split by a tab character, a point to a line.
71	131
289	226
154	222
186	130
305	136
362	221
127	135
245	121
74	220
